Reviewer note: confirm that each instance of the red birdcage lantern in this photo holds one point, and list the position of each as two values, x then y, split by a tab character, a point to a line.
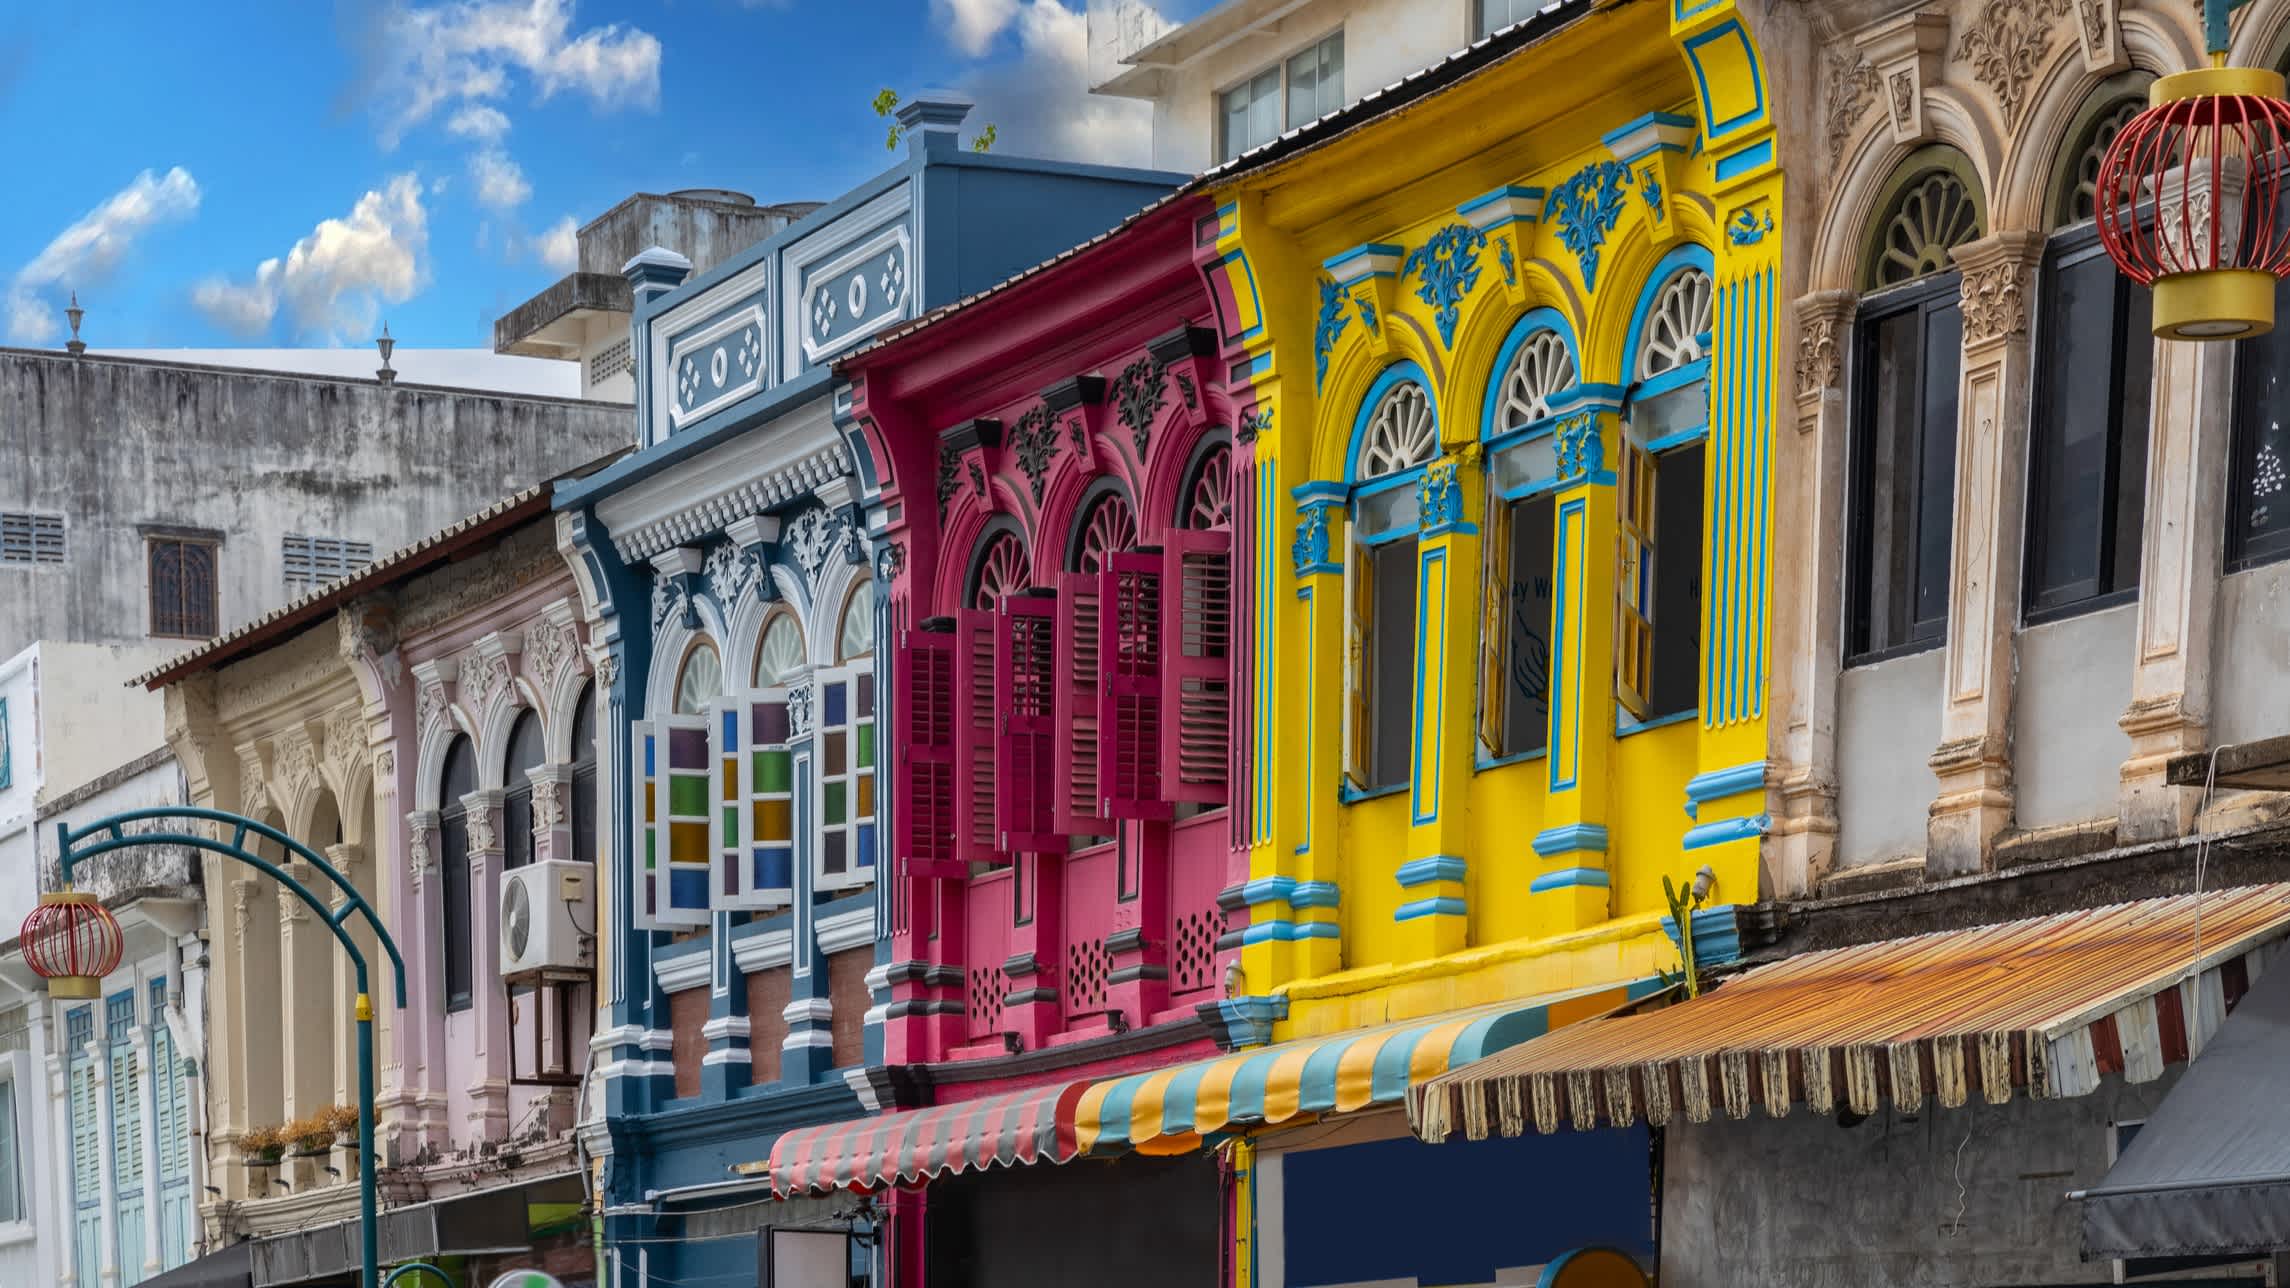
72	941
2190	201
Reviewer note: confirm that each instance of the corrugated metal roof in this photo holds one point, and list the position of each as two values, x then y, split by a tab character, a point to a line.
2048	1005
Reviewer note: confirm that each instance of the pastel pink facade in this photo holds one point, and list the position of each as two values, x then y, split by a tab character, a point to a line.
1057	465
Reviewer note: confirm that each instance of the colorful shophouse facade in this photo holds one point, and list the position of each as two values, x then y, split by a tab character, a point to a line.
1510	353
427	725
732	579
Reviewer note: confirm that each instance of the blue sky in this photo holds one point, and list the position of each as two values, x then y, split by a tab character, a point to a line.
270	172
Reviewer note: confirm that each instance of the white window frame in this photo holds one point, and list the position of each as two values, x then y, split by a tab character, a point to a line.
853	876
15	1076
1222	149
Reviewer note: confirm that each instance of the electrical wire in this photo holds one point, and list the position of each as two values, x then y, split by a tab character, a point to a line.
2202	854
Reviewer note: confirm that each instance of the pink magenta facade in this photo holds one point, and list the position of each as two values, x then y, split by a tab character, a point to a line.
1056	465
493	651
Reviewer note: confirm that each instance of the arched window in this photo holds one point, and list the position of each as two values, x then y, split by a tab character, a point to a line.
1206	501
456	780
1658	496
699	679
1107	527
2095	351
999	569
1908	347
1397	435
526	752
855	637
583	810
779	655
1538	381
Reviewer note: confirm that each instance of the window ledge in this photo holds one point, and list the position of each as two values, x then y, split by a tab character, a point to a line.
1515	758
1625	730
15	1232
2064	612
1352	795
1896	651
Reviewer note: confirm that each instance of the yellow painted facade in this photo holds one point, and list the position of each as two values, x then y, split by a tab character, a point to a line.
1559	187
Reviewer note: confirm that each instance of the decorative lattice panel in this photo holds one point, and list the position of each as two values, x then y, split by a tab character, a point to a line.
1194	956
1088	968
987	987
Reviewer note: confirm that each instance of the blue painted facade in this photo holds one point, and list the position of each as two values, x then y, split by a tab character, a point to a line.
742	512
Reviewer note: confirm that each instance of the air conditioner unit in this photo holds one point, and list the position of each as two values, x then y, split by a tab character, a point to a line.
548	917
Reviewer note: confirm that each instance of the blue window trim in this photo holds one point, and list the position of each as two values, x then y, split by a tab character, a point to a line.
1677	261
1530	323
1351	795
1484	763
1623	729
1403	370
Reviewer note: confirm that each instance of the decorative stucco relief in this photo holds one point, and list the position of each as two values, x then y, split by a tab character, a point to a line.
2007	45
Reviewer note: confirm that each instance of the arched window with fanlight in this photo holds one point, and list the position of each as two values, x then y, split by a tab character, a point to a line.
526	752
1106	525
779	653
584	803
699	678
1908	348
1394	437
2087	441
1536	380
855	633
1205	502
998	569
457	778
1658	491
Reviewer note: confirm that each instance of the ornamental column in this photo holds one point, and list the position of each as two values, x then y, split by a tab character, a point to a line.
146	1111
1569	888
417	1104
1973	761
489	1001
1433	913
1294	931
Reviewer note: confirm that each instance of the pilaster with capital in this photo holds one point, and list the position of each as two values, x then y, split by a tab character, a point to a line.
308	1003
488	1081
1973	760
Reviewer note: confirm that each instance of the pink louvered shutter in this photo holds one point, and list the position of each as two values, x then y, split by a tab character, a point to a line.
1078	805
925	724
1129	707
1196	662
976	661
1026	630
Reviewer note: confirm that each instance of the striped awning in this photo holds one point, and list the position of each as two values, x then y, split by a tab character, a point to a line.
2047	1006
1170	1110
1034	1125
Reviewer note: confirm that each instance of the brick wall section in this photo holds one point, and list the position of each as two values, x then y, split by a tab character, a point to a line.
767	993
687	1013
847	989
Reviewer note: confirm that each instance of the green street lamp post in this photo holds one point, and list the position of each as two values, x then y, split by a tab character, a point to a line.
68	914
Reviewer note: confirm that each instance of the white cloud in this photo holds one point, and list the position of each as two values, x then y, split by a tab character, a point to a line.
973	24
479	122
1039	101
94	246
424	58
558	246
333	281
500	180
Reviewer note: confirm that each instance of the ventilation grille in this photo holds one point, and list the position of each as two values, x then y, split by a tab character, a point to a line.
31	538
986	990
1088	968
314	561
1194	967
609	361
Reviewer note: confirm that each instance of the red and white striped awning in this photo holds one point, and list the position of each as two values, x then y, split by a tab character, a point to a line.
1030	1126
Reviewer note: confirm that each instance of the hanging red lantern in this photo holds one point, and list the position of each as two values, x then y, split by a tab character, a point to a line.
2190	201
72	941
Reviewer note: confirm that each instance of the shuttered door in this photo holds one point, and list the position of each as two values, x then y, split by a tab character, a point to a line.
171	1122
87	1145
975	730
925	721
127	1172
1078	801
1196	661
1129	710
1025	699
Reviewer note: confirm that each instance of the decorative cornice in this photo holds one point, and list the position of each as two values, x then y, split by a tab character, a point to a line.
776	488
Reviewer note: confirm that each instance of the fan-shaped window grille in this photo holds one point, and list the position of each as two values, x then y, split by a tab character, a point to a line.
1678	327
1401	433
1001	571
1542	369
779	655
1107	527
2082	201
1208	501
1930	216
856	638
700	681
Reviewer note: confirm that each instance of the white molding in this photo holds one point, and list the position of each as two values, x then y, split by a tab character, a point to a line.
879	978
638	1069
657	1040
823	251
755	279
606	1039
877	1014
676	974
689	343
864	1088
725	1026
745	475
808	1038
847	930
808	1009
772	948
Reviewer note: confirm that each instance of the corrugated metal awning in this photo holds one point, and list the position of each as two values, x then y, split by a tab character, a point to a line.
1170	1110
2047	1006
1033	1125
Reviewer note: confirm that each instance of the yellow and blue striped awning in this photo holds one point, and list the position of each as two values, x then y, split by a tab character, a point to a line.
1170	1110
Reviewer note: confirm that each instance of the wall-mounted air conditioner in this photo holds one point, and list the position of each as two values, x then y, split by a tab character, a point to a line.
548	917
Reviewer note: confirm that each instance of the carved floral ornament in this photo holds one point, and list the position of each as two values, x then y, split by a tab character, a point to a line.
1848	87
2008	44
1994	300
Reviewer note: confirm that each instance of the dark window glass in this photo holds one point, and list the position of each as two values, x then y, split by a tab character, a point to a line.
525	755
2087	454
182	588
458	780
583	808
2258	503
1391	663
1674	685
1527	646
1907	351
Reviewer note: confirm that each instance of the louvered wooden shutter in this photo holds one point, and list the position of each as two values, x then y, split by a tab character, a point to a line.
1196	666
755	796
682	809
1024	698
843	762
1634	581
925	724
1496	574
1359	599
1077	803
977	658
1129	710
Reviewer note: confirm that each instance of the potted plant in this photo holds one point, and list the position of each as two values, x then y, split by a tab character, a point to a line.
262	1146
342	1120
312	1136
